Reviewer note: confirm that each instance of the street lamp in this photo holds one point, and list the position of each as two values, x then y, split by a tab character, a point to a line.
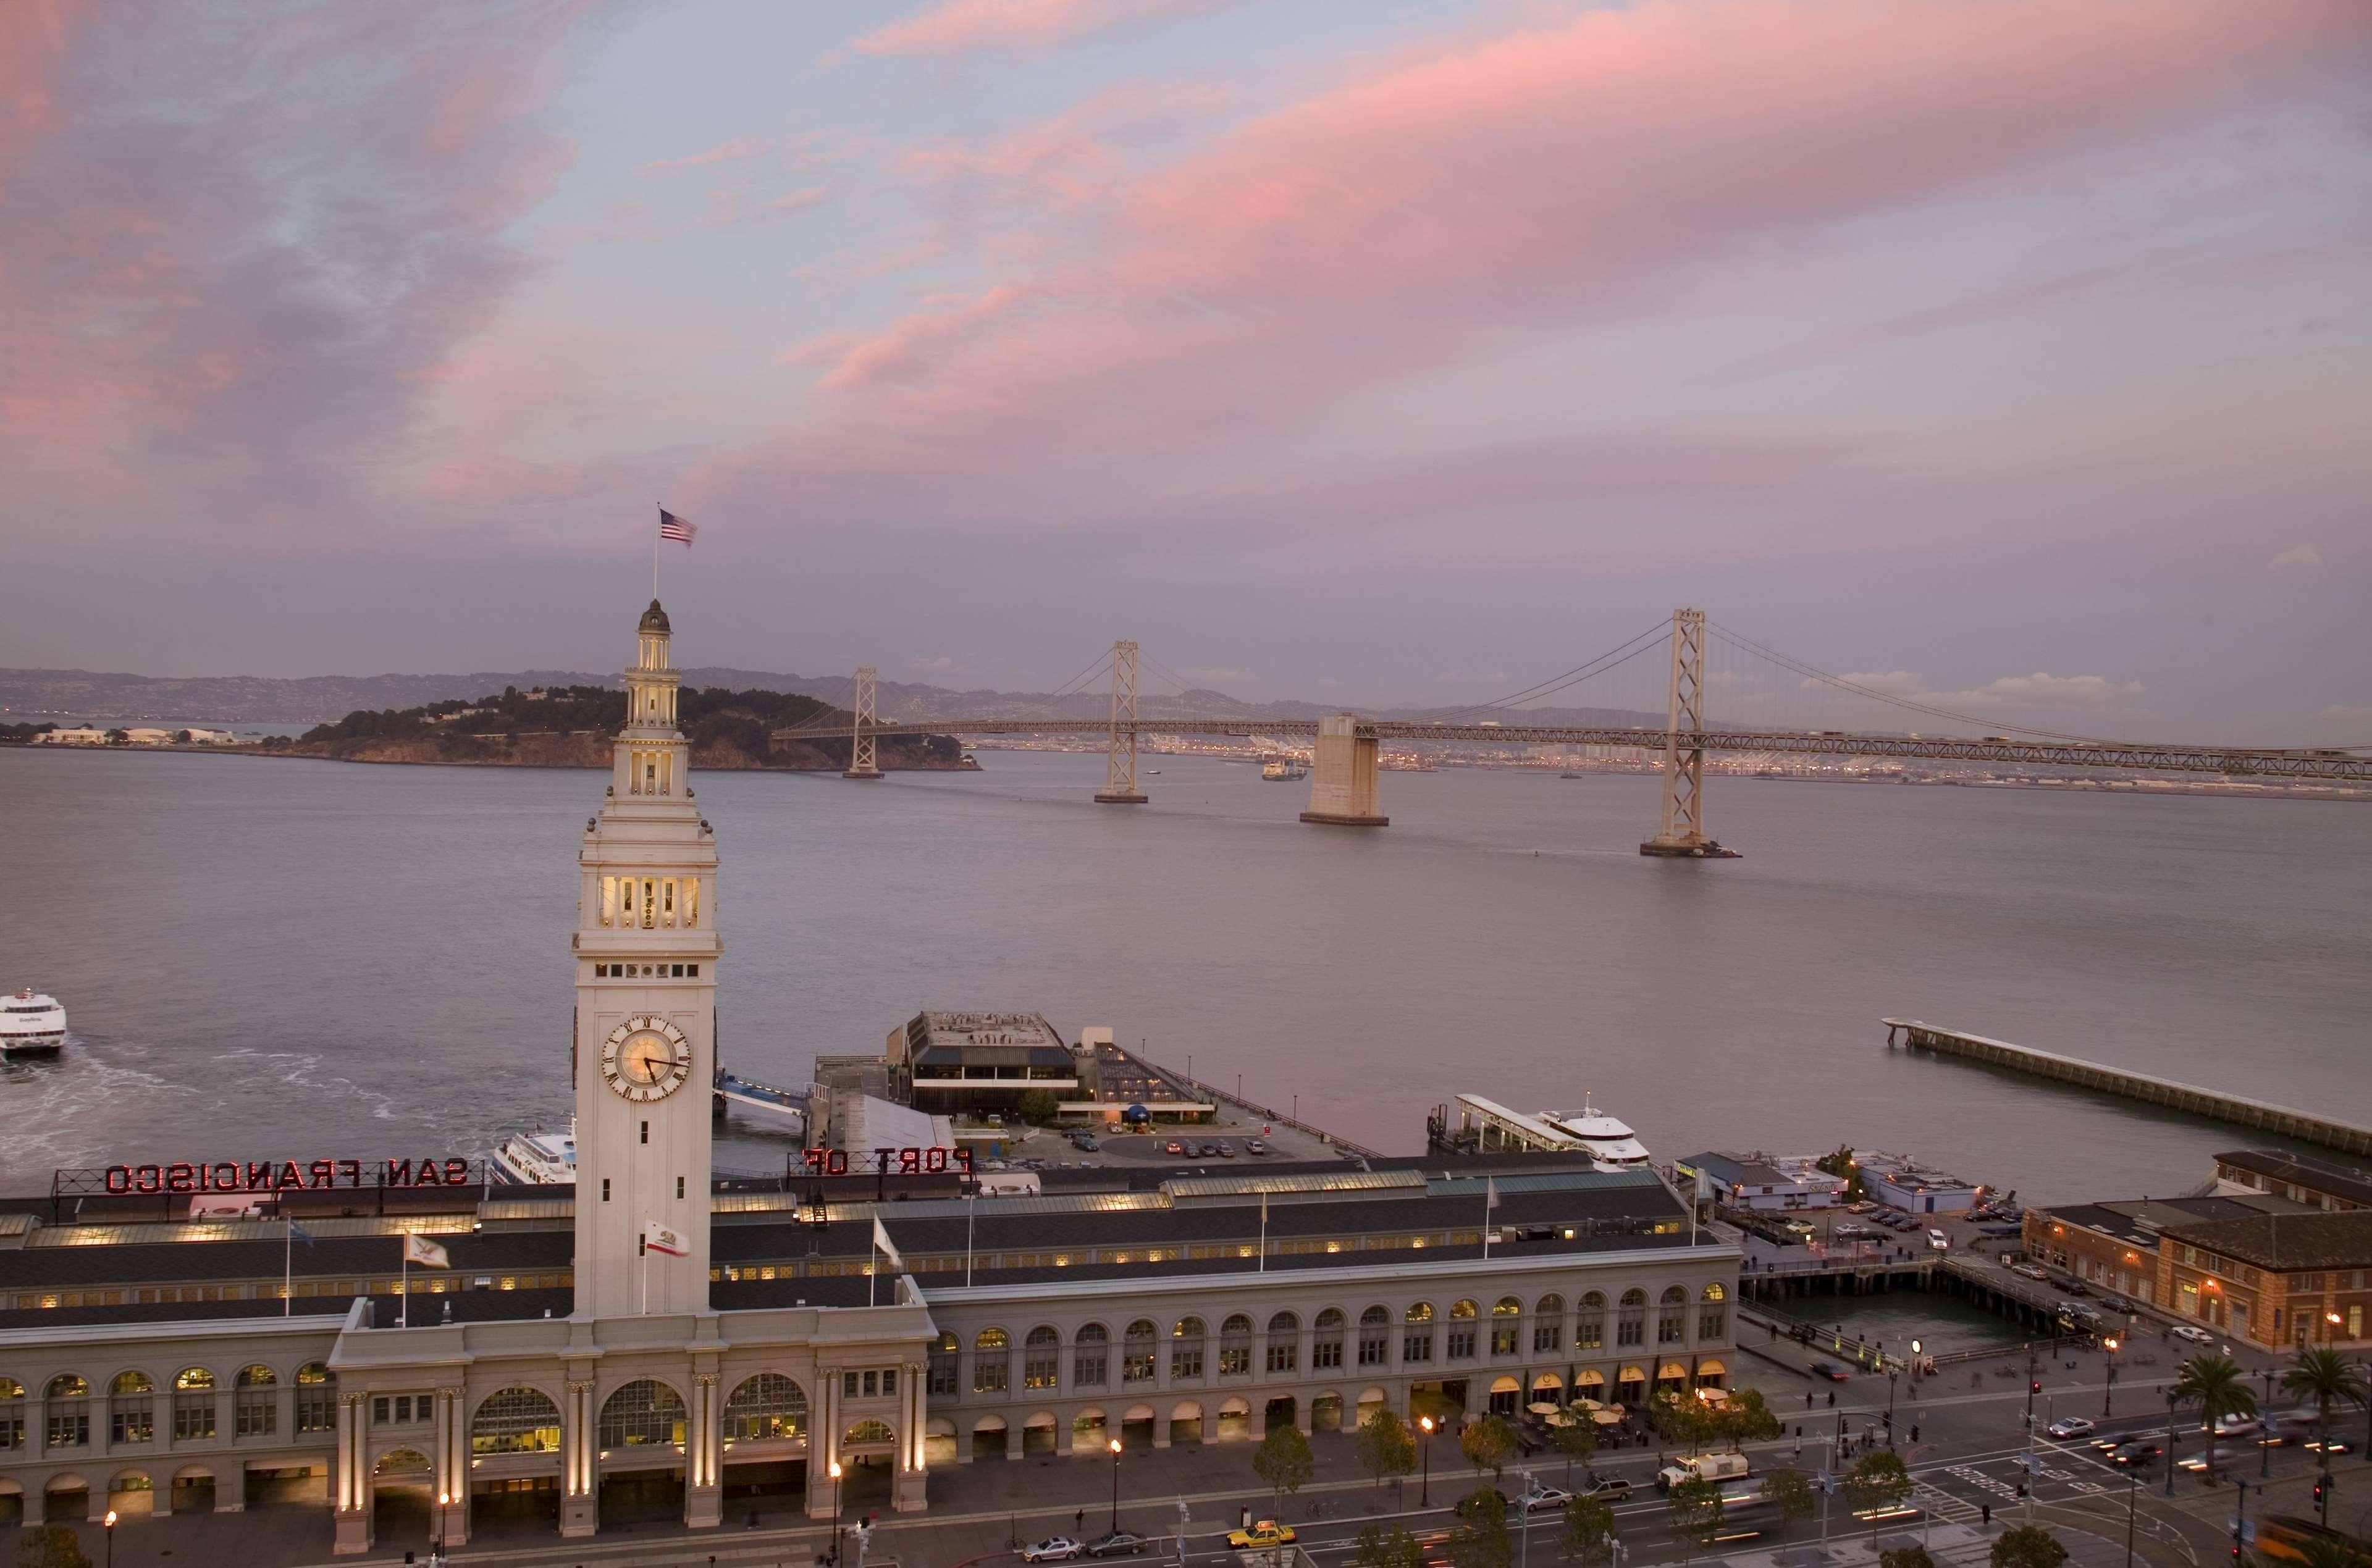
1890	1376
437	1548
2172	1437
1425	1490
2108	1390
109	1526
1115	1453
2265	1415
834	1472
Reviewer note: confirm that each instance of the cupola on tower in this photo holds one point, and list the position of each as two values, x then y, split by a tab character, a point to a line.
645	1060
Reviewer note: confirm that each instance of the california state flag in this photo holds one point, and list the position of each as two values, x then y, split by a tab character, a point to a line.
659	1239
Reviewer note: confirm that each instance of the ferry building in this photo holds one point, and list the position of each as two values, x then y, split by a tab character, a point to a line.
652	1339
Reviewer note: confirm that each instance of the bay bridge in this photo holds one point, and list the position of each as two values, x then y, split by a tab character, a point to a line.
1345	755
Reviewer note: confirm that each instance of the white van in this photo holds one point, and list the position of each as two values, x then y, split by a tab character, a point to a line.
1939	1241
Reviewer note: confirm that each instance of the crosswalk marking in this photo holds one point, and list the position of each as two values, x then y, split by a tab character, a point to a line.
1947	1507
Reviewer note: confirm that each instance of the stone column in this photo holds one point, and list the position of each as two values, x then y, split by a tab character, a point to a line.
452	1517
703	1491
33	1500
580	1478
1014	1433
823	1445
910	1491
352	1480
1161	1424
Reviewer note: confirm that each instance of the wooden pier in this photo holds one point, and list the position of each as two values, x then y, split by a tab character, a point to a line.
2148	1089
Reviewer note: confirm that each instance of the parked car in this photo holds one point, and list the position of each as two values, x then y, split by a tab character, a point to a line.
1053	1549
1118	1543
1226	1150
2193	1333
1263	1532
1085	1143
2074	1286
1608	1489
1173	1147
1830	1370
2029	1271
1542	1497
2071	1426
1255	1146
1939	1241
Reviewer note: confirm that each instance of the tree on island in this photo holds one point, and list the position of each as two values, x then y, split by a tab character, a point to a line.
2028	1546
1481	1539
1384	1446
1284	1460
1577	1438
2217	1386
1878	1480
1393	1548
1588	1537
1906	1557
1791	1492
1695	1505
50	1546
1039	1107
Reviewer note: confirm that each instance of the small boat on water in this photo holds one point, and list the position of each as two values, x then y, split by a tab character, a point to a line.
1284	769
32	1024
536	1159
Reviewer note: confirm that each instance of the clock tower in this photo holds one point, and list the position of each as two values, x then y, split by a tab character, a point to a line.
646	1049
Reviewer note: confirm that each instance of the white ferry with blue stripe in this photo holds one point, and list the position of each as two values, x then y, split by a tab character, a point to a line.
32	1024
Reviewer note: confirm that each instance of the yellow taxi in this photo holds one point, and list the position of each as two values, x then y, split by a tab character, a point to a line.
1264	1532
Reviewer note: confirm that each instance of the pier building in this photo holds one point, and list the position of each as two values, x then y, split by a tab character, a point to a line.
650	1339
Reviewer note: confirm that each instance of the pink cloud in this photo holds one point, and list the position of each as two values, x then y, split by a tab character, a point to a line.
955	27
734	151
1460	201
1075	157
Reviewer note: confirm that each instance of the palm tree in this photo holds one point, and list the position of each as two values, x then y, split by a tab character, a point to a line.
2322	1377
2217	1386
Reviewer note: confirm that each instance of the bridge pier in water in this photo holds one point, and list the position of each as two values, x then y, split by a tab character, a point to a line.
1119	765
1681	834
1343	774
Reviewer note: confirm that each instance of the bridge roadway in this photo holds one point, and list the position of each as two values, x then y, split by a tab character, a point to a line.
2320	766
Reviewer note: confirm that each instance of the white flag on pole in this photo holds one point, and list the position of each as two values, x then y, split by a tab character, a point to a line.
659	1239
881	1240
427	1254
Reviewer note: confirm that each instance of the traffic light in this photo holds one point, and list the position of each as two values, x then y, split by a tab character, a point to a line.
2034	1386
2320	1484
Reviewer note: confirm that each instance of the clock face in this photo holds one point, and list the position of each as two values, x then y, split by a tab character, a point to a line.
645	1059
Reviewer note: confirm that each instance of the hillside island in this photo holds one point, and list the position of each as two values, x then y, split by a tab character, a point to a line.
563	726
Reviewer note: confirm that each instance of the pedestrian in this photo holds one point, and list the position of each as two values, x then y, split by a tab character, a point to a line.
1988	1513
1915	1432
1799	1445
1807	1398
1080	1522
1833	1399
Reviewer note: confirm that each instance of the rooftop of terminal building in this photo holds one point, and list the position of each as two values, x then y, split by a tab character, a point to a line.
2138	1221
2346	1185
2284	1243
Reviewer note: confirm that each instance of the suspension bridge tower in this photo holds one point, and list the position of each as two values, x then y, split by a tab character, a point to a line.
1682	833
865	716
1120	768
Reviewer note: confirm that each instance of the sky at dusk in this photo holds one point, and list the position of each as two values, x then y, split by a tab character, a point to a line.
2020	348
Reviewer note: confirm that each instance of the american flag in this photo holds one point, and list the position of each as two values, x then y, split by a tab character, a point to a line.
675	528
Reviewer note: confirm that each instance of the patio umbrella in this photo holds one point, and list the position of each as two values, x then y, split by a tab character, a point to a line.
1609	1418
1558	1418
1542	1407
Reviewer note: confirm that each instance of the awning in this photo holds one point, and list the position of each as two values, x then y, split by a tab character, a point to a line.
1590	1380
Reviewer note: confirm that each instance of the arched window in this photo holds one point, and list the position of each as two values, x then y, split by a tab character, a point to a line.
1713	1312
132	1408
12	1413
944	1351
867	1431
1326	1341
1506	1327
1548	1324
641	1413
1236	1347
1041	1358
193	1404
1631	1321
67	1403
317	1397
1283	1343
1186	1337
1375	1336
1461	1330
1090	1353
1136	1353
1672	1317
766	1408
992	1362
256	1406
516	1421
1590	1322
1416	1333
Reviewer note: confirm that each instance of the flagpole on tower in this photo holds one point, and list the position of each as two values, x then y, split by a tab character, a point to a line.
654	558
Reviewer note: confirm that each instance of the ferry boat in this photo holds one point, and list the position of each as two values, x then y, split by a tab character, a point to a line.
1284	769
1608	1140
536	1159
31	1025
